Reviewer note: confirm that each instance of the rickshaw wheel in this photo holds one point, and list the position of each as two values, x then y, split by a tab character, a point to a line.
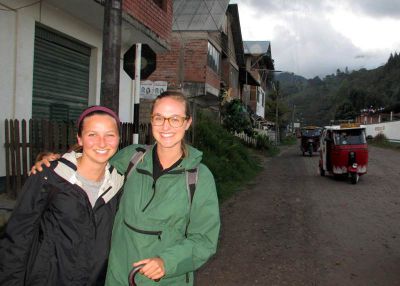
321	171
354	178
337	177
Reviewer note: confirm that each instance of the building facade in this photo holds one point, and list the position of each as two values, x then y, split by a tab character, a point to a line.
51	55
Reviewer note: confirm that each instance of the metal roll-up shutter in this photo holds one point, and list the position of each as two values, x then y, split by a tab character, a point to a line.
60	76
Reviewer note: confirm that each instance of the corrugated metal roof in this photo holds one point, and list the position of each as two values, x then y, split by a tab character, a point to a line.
199	15
256	47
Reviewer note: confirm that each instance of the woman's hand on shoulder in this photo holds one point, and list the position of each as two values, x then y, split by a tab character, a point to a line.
44	159
153	268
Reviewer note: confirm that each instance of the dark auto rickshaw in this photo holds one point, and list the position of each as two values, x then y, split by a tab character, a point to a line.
310	139
344	151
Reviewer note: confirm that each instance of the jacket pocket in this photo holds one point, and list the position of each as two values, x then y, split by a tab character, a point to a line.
44	267
156	233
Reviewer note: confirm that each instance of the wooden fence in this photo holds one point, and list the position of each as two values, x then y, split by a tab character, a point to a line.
24	141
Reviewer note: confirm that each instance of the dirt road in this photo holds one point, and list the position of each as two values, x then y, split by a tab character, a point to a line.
294	227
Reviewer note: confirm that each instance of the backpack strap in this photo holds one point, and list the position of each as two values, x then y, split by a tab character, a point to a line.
136	158
192	176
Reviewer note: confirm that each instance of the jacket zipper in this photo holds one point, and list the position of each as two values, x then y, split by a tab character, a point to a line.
148	232
154	187
152	197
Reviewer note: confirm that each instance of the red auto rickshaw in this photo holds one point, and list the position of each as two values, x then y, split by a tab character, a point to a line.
344	151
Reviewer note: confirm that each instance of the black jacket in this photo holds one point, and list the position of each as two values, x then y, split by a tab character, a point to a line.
54	236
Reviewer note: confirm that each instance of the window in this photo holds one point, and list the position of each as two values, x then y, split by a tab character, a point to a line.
234	77
260	96
161	4
61	68
350	136
213	58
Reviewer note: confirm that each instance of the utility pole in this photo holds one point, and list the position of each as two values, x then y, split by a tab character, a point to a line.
276	113
293	112
110	66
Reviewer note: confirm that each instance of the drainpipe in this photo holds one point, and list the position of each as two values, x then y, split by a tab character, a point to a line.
110	66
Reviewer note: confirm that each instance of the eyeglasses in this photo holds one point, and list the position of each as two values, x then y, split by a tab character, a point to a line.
174	121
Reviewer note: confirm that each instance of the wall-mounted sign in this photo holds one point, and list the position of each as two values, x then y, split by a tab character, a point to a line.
151	89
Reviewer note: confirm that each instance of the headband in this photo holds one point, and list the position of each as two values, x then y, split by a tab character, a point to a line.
95	108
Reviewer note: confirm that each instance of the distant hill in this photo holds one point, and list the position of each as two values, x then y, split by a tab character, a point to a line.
342	95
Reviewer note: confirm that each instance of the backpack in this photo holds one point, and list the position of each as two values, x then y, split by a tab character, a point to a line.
191	174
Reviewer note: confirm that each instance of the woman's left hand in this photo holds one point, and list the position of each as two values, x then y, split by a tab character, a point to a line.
153	268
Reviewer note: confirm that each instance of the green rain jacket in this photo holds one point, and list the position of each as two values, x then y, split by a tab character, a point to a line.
153	216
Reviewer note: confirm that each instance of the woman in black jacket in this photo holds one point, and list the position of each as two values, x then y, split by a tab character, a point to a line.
60	230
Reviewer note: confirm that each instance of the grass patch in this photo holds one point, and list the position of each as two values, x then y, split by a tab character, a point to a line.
272	151
232	164
289	140
381	141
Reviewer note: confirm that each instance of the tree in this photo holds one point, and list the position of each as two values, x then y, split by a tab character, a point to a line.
345	111
235	117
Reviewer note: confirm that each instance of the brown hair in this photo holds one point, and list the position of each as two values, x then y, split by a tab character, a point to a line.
179	96
93	110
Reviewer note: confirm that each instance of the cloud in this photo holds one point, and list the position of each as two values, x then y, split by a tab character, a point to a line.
267	7
381	8
375	8
311	47
311	37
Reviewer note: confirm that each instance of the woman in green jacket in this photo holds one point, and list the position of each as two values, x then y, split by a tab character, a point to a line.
156	225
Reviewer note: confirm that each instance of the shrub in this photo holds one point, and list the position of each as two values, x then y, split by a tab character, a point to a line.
236	117
380	138
229	160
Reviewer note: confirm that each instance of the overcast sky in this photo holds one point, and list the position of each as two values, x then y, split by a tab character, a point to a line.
316	37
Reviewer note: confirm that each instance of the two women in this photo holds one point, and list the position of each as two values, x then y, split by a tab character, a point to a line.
60	230
158	224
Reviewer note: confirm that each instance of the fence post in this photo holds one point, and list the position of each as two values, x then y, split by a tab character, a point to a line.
7	147
18	157
12	193
24	150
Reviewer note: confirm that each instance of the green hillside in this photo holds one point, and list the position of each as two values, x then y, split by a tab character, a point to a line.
344	94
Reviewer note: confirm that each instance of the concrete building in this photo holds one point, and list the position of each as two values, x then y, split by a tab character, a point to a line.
51	55
206	54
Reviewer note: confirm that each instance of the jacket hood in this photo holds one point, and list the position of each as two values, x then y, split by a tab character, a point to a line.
67	169
193	159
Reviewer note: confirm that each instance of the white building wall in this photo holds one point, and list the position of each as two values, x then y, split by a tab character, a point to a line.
390	129
17	34
7	63
7	75
260	104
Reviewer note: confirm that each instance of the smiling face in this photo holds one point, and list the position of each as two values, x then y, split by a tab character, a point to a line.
166	135
99	138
